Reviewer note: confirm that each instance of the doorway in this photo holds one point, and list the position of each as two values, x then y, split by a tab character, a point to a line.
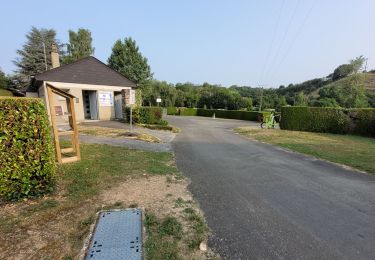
118	105
90	104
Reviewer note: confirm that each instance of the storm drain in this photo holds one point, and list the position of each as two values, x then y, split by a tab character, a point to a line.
118	235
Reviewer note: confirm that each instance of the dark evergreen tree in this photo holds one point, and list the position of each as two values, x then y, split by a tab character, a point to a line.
34	57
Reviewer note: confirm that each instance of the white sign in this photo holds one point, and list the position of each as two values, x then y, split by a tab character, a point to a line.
158	100
106	99
132	97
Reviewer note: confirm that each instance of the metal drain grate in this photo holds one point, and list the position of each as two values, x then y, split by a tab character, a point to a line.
118	235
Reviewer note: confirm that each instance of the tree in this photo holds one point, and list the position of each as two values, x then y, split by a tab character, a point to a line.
349	92
4	80
128	60
344	70
37	48
300	100
79	46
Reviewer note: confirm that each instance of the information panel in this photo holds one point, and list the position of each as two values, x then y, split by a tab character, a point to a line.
106	98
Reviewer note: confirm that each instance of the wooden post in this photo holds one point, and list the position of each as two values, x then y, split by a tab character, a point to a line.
54	126
75	140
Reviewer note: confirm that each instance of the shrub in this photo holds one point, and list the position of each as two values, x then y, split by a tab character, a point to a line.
184	111
172	111
329	120
146	115
233	114
220	113
27	161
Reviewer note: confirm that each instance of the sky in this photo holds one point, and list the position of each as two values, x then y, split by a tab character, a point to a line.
268	43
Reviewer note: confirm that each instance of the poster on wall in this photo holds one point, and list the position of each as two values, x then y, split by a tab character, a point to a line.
106	99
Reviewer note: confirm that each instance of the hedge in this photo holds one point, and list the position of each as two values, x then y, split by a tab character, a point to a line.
329	120
229	114
27	160
172	111
146	115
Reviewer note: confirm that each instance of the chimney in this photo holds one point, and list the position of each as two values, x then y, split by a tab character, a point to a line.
55	59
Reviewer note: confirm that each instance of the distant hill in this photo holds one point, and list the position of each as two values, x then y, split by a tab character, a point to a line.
312	87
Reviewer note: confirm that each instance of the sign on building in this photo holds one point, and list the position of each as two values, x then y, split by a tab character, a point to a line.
106	98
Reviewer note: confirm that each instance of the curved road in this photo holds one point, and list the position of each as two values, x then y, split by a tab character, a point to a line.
262	202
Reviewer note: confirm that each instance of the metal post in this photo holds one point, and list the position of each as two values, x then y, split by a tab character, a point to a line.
131	119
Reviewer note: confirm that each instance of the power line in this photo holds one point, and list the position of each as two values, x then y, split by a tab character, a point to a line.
272	41
285	34
295	38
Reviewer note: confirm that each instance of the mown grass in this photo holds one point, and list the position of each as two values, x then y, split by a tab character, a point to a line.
354	151
6	93
117	133
66	215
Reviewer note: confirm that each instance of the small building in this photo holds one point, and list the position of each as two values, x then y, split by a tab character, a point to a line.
99	91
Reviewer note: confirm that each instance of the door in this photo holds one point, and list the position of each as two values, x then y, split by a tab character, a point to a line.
118	106
93	97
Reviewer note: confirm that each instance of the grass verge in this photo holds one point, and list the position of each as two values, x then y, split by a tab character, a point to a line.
55	226
355	151
117	133
161	127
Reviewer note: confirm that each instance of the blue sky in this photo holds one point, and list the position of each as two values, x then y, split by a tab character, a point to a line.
223	42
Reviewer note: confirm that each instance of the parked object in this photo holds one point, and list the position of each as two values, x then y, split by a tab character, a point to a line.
270	122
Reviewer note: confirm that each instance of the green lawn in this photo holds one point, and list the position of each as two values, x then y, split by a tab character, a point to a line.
61	220
6	93
354	151
55	226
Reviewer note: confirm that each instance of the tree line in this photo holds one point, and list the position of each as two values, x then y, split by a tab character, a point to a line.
343	87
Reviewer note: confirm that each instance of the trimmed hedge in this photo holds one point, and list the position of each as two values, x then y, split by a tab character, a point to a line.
146	115
329	120
27	160
229	114
172	111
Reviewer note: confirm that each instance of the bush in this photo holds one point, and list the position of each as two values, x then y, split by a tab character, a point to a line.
172	111
329	120
220	113
27	161
184	111
146	115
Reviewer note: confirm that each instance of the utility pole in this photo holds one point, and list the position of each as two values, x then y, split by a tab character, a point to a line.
261	98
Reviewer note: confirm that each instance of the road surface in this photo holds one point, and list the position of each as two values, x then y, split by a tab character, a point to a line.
263	202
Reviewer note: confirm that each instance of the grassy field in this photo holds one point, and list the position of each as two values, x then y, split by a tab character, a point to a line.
6	93
354	151
55	226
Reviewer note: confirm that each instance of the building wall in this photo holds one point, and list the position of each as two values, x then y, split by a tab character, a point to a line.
106	111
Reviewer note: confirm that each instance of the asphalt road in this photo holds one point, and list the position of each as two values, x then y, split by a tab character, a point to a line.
263	202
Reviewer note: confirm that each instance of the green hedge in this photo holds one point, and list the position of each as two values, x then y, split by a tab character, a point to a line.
172	111
329	120
27	161
229	114
146	115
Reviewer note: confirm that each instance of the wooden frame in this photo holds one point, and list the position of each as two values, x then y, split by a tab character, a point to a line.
72	123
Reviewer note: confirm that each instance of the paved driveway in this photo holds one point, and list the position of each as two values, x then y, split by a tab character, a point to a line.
262	202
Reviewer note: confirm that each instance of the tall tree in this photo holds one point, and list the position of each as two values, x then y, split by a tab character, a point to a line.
129	61
79	46
34	57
